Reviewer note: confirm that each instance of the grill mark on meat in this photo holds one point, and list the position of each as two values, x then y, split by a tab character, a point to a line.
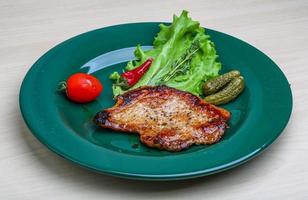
165	118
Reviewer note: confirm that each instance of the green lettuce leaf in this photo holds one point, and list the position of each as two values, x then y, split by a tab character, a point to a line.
169	45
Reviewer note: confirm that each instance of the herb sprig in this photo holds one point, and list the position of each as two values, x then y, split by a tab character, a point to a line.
181	65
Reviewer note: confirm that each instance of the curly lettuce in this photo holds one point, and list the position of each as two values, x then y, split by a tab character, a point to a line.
171	44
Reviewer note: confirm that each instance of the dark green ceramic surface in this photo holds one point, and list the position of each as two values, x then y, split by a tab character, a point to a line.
258	116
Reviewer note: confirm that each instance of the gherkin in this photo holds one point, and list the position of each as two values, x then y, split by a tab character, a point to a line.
227	94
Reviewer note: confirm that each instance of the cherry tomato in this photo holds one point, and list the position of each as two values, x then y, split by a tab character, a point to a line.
83	88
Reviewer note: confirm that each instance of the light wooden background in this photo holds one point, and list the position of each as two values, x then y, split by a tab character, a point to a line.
29	28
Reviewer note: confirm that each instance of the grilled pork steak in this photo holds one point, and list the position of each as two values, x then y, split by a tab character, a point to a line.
165	118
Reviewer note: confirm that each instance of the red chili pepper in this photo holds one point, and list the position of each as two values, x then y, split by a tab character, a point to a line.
133	76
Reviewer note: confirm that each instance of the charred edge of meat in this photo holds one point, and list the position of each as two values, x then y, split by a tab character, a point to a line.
130	95
101	117
176	145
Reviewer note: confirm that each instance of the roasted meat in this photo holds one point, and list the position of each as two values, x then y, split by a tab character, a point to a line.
165	118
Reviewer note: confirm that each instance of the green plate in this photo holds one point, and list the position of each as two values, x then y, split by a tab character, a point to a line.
258	116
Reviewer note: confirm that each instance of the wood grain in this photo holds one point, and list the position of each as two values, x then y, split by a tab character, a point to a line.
29	28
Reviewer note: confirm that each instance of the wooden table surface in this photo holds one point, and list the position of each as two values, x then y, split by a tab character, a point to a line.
29	28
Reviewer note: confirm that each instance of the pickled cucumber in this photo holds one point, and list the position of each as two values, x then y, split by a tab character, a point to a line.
227	94
213	85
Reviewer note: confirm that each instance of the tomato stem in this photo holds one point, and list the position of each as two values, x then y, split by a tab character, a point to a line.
62	86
